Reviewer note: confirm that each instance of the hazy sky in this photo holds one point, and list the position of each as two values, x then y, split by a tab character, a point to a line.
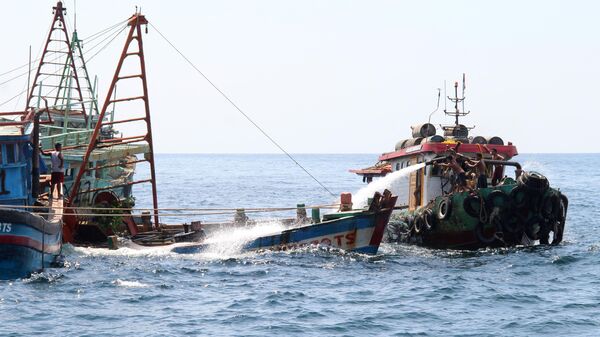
345	76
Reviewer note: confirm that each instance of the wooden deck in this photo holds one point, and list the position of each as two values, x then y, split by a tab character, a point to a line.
55	212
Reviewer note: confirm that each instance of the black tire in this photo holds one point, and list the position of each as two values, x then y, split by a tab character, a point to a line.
499	199
519	196
444	208
550	207
472	205
534	181
429	219
529	227
419	224
514	223
481	237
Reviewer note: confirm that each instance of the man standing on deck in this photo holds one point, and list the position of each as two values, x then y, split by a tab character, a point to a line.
498	169
58	169
461	177
481	169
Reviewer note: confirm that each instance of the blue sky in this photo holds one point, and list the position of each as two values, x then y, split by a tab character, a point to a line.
346	76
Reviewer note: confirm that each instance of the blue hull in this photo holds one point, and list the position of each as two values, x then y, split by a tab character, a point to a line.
28	243
361	233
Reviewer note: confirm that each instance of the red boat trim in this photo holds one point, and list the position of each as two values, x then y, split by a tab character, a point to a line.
437	148
29	243
382	221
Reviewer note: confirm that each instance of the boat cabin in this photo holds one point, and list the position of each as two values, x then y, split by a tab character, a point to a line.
15	163
429	181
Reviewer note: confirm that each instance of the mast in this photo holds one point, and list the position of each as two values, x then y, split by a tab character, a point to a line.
133	48
457	100
57	47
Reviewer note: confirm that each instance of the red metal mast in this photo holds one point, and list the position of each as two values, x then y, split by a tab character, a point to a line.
97	141
50	58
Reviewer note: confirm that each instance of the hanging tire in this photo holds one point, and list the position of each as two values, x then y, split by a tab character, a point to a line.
534	181
550	207
429	219
410	222
499	199
514	223
530	230
519	196
419	224
481	236
472	205
444	208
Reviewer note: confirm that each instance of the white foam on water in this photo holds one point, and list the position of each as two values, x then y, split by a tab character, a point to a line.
129	284
393	182
228	242
128	249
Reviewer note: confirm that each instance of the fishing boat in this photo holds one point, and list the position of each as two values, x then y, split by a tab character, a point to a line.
62	82
441	209
28	242
359	231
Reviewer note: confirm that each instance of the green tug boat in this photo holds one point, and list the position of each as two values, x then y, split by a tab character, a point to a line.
454	191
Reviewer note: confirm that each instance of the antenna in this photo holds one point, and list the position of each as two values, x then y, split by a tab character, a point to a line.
437	106
456	100
445	101
463	92
29	73
74	15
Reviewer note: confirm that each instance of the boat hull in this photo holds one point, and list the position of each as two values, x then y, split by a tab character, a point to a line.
28	243
358	232
507	215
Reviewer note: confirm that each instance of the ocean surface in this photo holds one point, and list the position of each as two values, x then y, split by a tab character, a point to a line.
403	291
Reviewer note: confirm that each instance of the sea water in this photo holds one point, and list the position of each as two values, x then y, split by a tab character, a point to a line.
403	291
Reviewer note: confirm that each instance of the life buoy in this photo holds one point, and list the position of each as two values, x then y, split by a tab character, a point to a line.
481	236
444	208
472	205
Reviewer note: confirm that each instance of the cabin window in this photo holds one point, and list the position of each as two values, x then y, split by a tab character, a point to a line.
10	153
89	171
397	166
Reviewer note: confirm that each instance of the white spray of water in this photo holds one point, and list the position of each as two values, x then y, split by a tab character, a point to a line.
393	182
127	248
229	242
220	244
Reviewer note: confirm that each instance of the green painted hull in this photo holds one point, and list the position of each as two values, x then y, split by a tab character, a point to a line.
515	213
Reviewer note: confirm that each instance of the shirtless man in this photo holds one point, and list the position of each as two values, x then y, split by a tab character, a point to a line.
498	169
461	177
481	169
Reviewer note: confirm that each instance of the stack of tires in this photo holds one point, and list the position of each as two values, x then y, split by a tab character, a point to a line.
531	208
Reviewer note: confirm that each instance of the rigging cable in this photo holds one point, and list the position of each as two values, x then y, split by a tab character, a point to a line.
240	110
109	30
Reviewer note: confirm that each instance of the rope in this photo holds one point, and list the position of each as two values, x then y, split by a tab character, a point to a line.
128	214
240	111
106	45
91	38
264	209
